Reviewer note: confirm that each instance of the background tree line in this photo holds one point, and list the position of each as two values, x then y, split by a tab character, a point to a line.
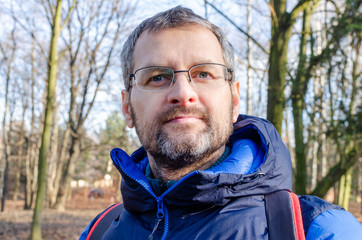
298	63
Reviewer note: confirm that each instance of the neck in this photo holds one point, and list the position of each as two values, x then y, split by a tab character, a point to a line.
165	174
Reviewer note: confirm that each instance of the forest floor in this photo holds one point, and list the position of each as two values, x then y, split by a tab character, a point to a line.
15	222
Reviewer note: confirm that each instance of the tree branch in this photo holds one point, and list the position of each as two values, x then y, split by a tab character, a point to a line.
32	36
235	25
48	12
68	16
345	25
272	12
335	173
301	5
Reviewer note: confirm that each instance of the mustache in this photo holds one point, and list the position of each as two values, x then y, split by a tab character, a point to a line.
173	112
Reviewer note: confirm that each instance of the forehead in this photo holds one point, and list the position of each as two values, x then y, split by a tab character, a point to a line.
178	47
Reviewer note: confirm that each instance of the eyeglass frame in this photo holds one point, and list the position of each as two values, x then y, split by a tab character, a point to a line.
132	76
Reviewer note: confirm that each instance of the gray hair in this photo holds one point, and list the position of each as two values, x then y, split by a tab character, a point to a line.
174	17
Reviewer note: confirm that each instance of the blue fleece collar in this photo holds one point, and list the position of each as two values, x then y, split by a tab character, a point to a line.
246	157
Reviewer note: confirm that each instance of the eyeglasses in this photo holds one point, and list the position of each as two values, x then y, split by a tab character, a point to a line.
202	76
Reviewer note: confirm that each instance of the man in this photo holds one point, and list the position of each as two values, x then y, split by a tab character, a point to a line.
204	170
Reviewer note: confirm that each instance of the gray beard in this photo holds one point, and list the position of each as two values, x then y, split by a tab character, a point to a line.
174	154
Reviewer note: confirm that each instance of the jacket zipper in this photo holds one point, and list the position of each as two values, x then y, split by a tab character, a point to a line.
161	208
160	215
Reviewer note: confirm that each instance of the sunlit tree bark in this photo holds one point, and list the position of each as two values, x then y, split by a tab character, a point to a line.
282	24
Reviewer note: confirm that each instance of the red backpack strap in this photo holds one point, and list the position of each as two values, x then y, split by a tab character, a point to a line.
104	221
297	216
284	216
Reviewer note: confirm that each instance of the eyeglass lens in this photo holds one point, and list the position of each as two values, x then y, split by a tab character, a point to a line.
161	78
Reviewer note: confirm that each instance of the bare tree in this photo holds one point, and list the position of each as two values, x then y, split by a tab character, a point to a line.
90	46
9	61
44	148
298	93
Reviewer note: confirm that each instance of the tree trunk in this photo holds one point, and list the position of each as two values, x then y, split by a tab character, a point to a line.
20	144
6	178
297	96
281	29
60	168
277	69
67	174
345	185
28	188
45	142
314	170
280	35
17	175
30	151
4	168
53	158
5	175
345	189
321	41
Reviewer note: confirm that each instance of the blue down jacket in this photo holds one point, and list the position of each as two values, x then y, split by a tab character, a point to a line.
221	204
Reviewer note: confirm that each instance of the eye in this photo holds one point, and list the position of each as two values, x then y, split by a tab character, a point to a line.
157	78
203	75
154	78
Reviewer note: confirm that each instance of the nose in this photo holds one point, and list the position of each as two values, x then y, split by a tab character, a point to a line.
182	92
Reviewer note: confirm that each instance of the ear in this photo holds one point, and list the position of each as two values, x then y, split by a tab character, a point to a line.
236	100
126	108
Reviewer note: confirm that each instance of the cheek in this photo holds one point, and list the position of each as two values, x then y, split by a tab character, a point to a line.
145	108
219	104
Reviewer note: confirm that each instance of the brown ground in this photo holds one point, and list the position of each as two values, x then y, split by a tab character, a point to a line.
15	222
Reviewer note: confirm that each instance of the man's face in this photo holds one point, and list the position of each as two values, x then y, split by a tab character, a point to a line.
181	125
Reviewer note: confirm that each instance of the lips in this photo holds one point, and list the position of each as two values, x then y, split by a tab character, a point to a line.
184	119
